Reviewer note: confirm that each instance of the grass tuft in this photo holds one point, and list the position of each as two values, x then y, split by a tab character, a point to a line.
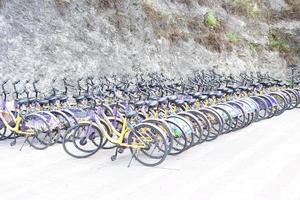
211	19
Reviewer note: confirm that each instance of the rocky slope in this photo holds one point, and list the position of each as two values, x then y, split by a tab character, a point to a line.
55	38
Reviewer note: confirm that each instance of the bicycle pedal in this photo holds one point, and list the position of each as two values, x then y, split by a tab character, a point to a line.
12	144
120	150
113	158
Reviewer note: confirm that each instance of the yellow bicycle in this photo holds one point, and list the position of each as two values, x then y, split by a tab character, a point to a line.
145	141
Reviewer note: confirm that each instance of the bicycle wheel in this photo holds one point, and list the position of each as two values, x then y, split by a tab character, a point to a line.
196	125
226	117
295	97
204	123
281	103
262	107
156	148
179	138
215	121
185	126
42	137
232	113
163	125
54	125
241	116
64	123
82	140
248	112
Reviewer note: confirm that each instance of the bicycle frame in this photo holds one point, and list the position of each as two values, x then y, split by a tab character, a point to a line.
126	129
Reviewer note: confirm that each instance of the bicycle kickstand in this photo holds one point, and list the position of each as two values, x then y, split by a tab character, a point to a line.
114	157
24	143
131	158
14	142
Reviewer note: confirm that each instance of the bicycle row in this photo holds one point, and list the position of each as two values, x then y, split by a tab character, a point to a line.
152	115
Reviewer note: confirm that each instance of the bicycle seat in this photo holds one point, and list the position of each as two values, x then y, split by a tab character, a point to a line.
79	98
139	104
281	84
229	91
243	88
153	98
172	98
219	94
272	83
223	89
234	88
212	94
196	95
163	100
130	114
89	97
31	100
203	97
190	101
43	102
265	83
52	99
254	84
63	99
22	101
249	89
179	102
152	104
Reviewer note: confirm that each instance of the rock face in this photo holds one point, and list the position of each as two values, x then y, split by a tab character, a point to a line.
57	38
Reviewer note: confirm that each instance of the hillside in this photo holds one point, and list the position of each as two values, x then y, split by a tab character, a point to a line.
52	38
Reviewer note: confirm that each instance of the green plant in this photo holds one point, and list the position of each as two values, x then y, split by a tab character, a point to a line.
211	19
232	37
255	47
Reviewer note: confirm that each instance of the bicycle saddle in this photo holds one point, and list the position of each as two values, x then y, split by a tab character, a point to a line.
196	95
130	114
31	99
52	99
153	98
21	101
89	97
219	94
139	104
172	98
152	104
254	84
63	99
163	100
179	102
190	101
79	98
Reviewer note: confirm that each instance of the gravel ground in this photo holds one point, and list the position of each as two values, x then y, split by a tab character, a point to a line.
260	162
